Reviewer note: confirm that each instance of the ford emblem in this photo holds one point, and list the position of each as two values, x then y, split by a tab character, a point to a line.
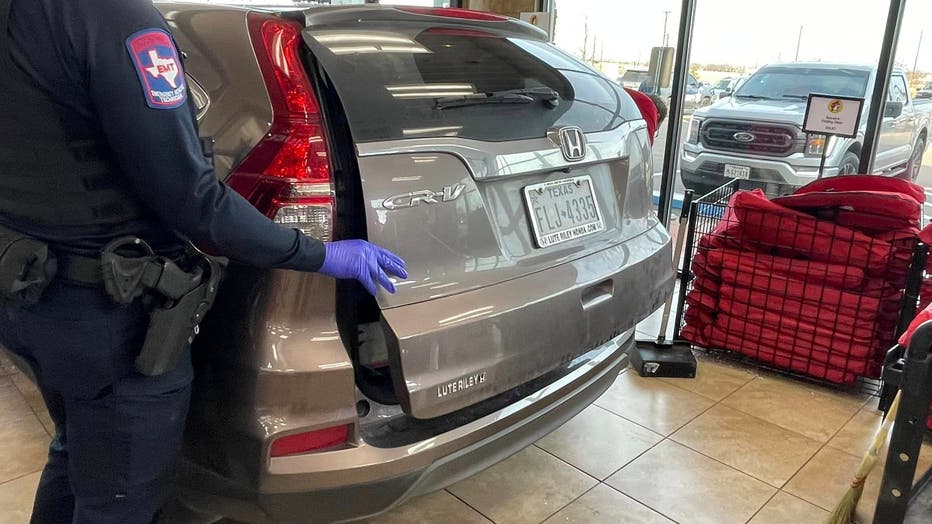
745	137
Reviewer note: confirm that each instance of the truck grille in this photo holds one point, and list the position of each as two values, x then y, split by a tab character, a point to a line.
763	139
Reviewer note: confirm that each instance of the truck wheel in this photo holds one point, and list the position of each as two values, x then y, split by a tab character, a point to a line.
915	161
849	164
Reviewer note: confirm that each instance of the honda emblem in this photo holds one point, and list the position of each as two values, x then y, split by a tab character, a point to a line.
572	143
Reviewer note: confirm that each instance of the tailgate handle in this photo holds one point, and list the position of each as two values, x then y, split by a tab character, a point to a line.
597	293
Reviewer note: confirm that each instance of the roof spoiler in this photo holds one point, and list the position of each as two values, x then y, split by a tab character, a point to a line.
352	15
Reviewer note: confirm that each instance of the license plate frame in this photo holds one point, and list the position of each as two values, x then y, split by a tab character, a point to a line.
543	238
737	172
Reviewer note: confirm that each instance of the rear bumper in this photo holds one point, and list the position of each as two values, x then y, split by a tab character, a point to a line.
508	431
702	171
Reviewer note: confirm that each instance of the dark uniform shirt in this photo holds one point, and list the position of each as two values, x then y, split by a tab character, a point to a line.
78	52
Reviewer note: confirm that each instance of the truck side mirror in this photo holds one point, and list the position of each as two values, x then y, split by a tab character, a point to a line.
893	109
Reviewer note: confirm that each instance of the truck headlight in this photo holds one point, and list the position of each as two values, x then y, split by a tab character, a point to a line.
816	144
692	134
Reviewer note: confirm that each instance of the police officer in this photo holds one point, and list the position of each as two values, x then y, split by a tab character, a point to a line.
89	154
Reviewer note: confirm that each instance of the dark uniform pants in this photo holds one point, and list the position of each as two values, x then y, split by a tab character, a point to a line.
118	433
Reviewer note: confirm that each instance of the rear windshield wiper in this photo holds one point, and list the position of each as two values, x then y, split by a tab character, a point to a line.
514	96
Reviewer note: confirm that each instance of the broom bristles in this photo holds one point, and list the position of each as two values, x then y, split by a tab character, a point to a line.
844	511
846	508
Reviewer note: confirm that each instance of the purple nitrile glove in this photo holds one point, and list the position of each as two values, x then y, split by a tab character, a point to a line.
364	262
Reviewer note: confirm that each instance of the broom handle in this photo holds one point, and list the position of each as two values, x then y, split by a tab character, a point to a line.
677	254
880	438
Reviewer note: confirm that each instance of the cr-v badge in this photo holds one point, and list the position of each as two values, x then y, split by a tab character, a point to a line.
416	198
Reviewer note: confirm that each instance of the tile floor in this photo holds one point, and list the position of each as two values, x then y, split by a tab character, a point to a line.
733	445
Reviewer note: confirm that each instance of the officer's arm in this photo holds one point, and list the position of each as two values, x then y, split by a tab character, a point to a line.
147	118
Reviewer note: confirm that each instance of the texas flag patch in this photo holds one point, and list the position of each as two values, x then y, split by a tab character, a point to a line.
158	67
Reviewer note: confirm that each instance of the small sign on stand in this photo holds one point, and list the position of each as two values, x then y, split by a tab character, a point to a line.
829	116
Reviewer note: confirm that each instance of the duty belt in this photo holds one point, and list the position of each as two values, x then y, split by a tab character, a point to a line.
125	278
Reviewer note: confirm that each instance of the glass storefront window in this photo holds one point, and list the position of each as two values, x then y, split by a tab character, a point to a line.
903	146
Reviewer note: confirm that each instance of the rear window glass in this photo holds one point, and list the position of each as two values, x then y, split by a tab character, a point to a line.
404	83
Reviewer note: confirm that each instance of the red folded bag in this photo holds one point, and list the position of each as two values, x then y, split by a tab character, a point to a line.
865	183
836	275
768	353
823	322
772	225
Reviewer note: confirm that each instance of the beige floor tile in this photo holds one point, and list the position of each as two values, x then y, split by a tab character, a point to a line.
599	442
828	475
856	436
653	403
6	365
756	447
30	392
16	498
47	422
714	380
527	488
431	509
23	447
813	411
12	404
689	487
787	509
604	505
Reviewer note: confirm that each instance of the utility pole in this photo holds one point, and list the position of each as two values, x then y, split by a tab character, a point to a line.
918	47
666	36
799	42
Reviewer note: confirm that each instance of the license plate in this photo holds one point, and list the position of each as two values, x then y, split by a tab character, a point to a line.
733	171
562	210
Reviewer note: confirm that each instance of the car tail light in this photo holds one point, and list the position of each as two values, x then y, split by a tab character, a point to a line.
288	176
452	12
310	441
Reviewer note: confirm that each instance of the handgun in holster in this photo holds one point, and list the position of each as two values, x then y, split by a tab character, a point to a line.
183	296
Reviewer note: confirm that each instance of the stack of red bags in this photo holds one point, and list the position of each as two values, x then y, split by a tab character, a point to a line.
812	282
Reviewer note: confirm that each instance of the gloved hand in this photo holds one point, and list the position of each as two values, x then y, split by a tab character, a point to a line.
364	262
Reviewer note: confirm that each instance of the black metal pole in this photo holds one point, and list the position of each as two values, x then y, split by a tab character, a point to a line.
822	161
675	115
878	97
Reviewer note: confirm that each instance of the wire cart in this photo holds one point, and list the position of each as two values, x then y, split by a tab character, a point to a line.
820	297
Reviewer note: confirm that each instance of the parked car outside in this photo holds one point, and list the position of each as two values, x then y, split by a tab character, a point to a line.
757	133
727	86
925	92
634	78
513	179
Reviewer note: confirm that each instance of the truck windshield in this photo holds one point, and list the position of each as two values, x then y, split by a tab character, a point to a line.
779	83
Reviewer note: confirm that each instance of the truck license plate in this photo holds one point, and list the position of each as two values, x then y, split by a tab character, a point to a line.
562	210
741	172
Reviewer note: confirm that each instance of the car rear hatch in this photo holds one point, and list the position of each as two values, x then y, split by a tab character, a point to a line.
486	157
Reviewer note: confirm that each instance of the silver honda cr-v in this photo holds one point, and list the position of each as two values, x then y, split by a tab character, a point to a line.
513	179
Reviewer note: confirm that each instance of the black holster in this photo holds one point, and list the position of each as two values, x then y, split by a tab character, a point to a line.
26	266
183	297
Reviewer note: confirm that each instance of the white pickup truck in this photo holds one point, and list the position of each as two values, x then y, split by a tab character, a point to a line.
757	133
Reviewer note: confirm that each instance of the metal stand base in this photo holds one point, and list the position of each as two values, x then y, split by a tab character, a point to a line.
664	359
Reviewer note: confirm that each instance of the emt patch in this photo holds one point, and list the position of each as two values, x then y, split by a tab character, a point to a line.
158	67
